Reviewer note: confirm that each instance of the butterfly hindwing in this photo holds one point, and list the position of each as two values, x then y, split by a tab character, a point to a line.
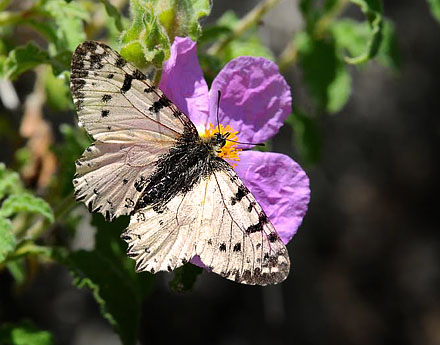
132	122
244	245
219	220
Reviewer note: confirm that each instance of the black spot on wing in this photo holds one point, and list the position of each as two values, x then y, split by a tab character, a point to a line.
120	62
76	85
127	83
241	193
104	113
139	75
161	103
150	89
222	247
251	206
273	236
237	247
262	220
110	76
106	98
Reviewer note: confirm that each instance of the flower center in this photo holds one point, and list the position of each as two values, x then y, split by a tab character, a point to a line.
229	150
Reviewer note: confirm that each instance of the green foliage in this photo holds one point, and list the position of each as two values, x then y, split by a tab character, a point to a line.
249	44
435	8
373	12
155	23
7	239
306	135
110	275
16	201
21	59
26	203
324	73
24	334
113	12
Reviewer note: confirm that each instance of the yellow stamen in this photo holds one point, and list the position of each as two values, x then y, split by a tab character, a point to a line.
230	150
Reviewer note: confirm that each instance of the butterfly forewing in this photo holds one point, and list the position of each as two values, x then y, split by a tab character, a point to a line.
133	124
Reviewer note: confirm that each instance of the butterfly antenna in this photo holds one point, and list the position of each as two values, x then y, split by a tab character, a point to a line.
241	142
218	107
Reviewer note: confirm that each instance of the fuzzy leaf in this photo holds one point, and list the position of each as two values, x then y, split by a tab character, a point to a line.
21	59
145	41
7	238
9	181
25	202
185	278
155	23
24	334
373	12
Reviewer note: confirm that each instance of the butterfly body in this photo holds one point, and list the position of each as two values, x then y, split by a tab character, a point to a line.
148	161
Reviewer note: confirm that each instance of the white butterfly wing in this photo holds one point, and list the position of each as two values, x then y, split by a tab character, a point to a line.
132	122
219	220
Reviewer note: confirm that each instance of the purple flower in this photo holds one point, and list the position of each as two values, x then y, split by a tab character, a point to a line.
255	101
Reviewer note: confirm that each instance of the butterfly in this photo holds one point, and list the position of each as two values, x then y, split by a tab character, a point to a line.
148	161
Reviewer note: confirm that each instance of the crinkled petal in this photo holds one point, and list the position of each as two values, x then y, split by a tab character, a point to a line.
281	187
183	82
255	98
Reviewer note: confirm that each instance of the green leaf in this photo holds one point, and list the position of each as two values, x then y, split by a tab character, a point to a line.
24	334
248	44
7	238
113	12
435	8
389	53
57	91
111	276
373	12
181	18
146	40
339	90
21	59
75	141
351	36
185	278
306	136
25	202
65	26
9	181
326	77
155	23
212	33
17	270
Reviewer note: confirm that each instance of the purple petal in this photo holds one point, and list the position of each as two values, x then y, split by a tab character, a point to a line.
255	98
281	187
183	82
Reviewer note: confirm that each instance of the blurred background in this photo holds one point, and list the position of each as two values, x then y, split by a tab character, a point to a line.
365	262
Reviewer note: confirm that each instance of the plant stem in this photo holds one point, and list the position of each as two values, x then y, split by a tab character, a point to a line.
288	56
248	21
324	22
